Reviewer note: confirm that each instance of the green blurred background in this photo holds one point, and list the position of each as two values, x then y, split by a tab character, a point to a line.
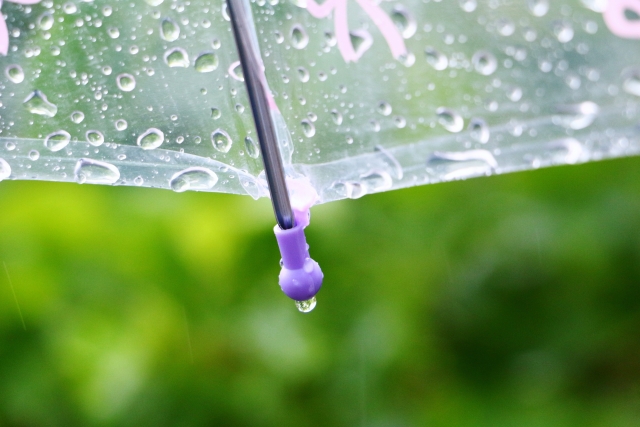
503	301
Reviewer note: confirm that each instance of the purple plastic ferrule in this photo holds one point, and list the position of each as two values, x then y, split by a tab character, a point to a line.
300	278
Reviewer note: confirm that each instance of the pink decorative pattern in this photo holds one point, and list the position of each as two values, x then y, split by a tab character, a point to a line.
378	16
614	17
4	32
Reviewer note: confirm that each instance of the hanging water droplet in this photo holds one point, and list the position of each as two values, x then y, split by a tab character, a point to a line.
206	62
235	71
538	7
77	117
308	128
631	81
94	137
252	148
449	119
45	21
37	103
121	124
195	178
176	57
14	73
384	108
303	74
436	59
34	155
576	116
169	30
56	141
468	5
221	140
563	31
484	62
404	21
479	130
88	171
461	164
151	139
5	169
307	305
336	117
126	82
299	37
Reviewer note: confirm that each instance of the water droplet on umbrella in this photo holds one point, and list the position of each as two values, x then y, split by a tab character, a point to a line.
45	21
631	81
308	128
215	113
307	305
56	141
240	108
88	171
252	148
484	62
5	169
169	30
69	8
538	7
113	32
514	93
154	2
377	181
436	59
206	62
400	122
299	37
10	146
37	103
152	138
77	117
221	140
195	178
138	180
34	155
14	73
576	116
384	108
449	119
106	70
225	12
468	5
563	31
479	130
461	164
107	11
361	40
94	137
505	27
176	57
350	189
405	22
336	117
235	71
121	124
303	74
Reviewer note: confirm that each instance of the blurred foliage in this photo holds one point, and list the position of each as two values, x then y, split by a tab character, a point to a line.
501	301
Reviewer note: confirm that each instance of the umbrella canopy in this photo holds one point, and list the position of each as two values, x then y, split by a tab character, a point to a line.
374	96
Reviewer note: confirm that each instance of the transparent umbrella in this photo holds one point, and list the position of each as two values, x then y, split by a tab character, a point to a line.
357	97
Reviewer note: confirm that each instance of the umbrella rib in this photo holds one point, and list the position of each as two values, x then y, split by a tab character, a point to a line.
261	104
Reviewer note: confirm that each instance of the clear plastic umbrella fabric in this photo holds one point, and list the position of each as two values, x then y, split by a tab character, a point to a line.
372	96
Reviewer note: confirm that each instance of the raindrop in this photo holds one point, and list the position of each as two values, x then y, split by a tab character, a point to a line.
538	7
361	40
106	70
303	74
56	141
121	124
468	5
235	71
206	62
505	27
375	125
34	155
176	57
563	31
215	113
484	62
400	122
45	21
461	164
69	8
154	2
252	148
94	137
514	93
308	128
221	140
405	22
169	30
113	32
299	37
10	146
5	169
88	171
384	108
631	81
195	178
307	305
436	59
14	73
479	131
77	117
138	180
576	116
37	103
450	120
151	139
336	117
